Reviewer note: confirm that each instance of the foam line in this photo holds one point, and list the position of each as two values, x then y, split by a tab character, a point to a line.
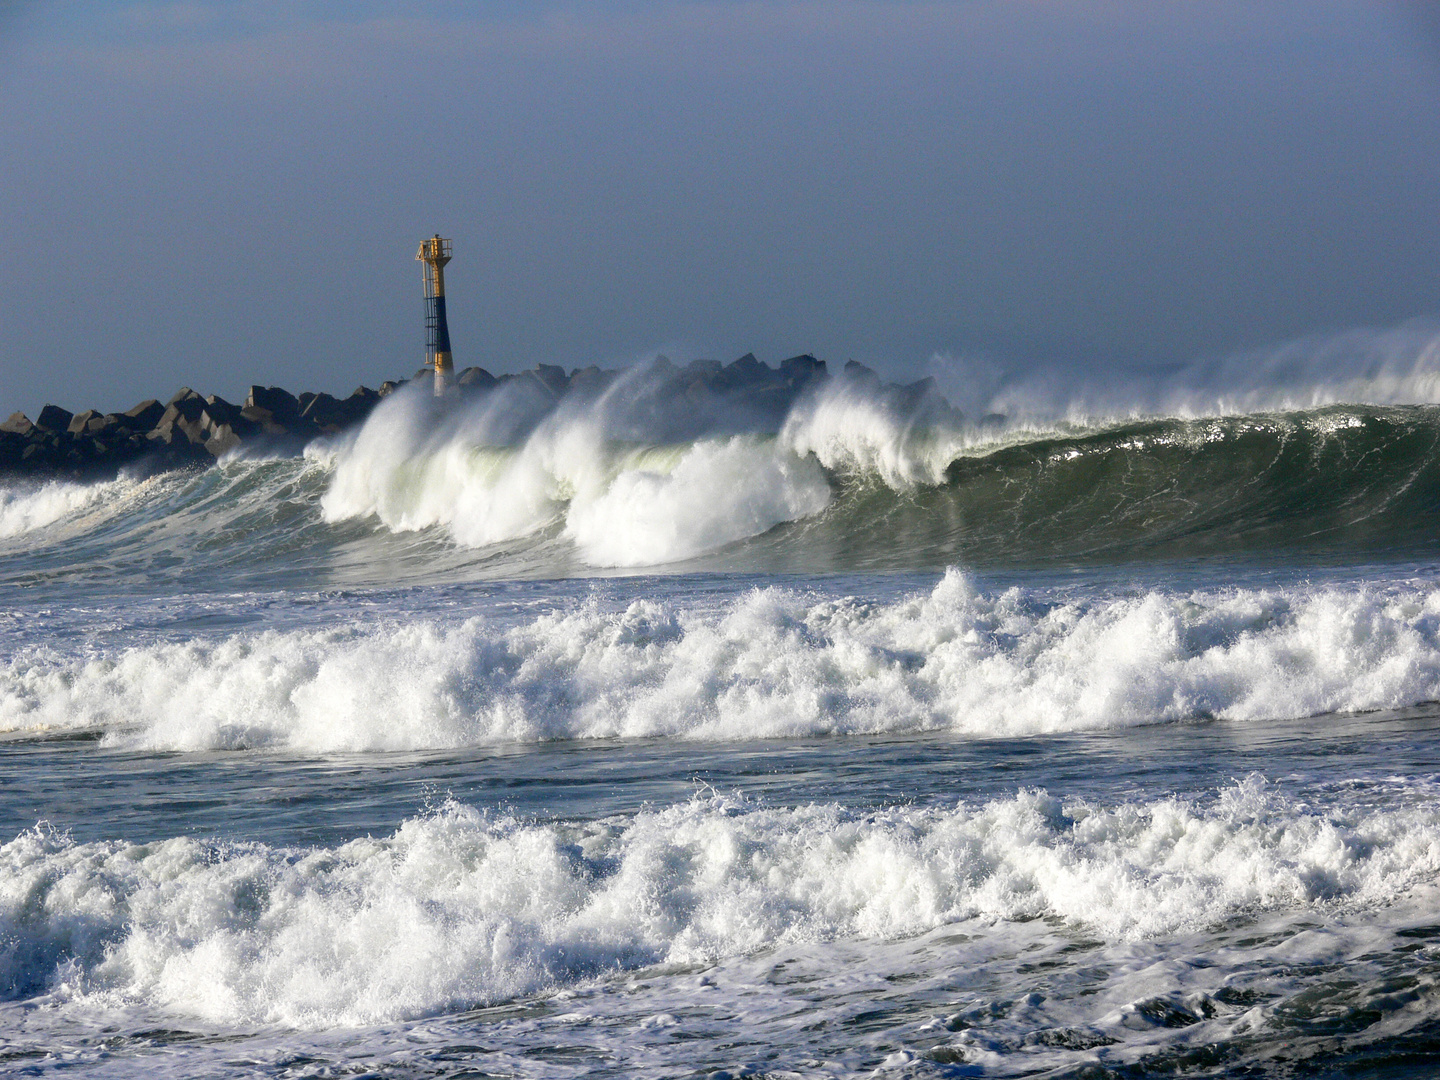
457	908
770	663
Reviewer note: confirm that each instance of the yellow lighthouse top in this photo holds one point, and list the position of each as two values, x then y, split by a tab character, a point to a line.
435	250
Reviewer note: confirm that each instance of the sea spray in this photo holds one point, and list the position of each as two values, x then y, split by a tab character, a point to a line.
715	494
325	801
1397	365
651	473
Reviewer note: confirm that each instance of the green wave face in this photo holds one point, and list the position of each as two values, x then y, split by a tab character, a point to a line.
1345	480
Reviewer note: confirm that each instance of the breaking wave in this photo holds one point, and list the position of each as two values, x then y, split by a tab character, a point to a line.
845	485
28	508
769	663
1320	450
1324	445
625	504
457	909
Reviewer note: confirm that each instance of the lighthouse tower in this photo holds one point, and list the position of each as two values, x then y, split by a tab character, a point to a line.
435	253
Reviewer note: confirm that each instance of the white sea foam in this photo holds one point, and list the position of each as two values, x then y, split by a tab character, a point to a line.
770	663
852	425
504	469
855	424
457	908
717	493
28	508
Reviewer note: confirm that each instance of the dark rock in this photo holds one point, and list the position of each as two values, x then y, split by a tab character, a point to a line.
222	440
186	403
553	376
326	412
921	387
771	401
17	424
704	369
357	406
280	403
145	415
799	370
191	428
173	416
218	407
195	430
590	380
310	403
549	377
81	421
12	445
264	420
860	372
475	379
54	418
218	412
745	373
170	449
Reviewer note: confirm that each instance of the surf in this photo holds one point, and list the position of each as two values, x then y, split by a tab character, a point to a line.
766	663
1301	455
459	908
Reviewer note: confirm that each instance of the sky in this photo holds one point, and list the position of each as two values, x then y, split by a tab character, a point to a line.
215	195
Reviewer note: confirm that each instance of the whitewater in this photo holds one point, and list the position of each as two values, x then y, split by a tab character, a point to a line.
984	724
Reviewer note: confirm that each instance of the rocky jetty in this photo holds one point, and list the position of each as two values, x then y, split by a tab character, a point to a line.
193	429
190	429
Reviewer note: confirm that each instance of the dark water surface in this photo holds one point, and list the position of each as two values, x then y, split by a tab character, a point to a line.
93	792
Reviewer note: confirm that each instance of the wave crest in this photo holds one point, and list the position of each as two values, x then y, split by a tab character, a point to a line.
659	467
28	508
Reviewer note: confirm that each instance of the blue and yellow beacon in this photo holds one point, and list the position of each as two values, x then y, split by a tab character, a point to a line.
435	253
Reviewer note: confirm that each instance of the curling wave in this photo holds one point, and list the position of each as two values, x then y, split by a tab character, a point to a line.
29	508
658	468
1311	449
852	480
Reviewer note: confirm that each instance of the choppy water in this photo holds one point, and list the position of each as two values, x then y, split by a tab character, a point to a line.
646	736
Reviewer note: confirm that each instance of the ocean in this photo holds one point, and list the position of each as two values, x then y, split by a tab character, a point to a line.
1091	732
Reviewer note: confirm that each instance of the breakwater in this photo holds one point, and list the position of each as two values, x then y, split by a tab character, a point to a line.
195	429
